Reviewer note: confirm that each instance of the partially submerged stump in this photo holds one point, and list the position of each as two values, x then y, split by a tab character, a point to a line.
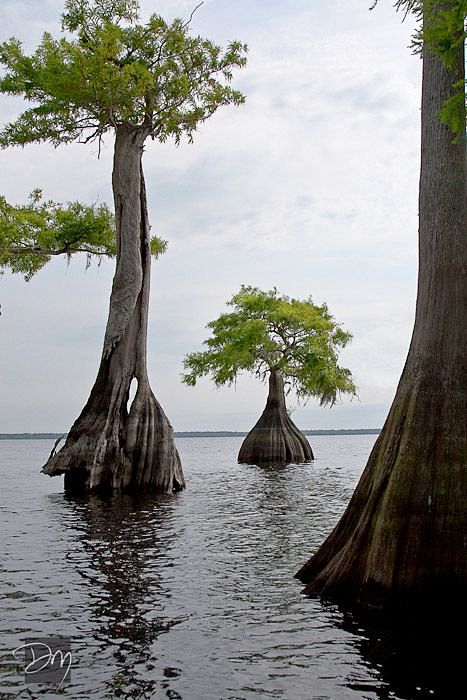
275	439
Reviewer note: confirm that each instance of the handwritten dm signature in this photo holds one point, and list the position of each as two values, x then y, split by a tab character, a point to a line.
41	657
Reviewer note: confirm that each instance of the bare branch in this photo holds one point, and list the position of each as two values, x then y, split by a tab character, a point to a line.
97	133
188	22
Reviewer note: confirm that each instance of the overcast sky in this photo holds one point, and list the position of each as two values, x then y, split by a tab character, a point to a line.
311	186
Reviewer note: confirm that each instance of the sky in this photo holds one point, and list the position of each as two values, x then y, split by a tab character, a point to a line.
311	186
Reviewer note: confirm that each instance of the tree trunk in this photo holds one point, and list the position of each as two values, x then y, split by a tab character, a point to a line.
111	448
275	439
402	539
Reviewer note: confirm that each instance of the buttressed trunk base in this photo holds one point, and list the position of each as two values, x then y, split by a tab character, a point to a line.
112	446
275	439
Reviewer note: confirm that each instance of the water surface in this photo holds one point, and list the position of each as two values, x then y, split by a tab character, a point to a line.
192	596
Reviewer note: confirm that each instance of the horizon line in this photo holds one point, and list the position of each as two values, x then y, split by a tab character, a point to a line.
200	433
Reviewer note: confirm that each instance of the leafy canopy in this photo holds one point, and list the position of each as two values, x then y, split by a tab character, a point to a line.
270	332
107	70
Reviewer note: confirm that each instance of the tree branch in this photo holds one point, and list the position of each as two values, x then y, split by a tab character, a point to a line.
188	22
44	253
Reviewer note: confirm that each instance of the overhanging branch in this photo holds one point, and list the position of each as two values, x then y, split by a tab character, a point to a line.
45	253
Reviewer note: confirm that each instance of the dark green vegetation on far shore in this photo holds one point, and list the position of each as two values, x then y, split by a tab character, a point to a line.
188	434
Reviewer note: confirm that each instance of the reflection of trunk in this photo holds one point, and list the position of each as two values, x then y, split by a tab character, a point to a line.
403	533
109	447
275	439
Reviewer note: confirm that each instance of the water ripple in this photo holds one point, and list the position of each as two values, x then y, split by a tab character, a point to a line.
188	596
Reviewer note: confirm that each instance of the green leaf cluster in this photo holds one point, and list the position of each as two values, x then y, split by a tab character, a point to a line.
268	332
31	234
444	32
442	29
107	70
441	26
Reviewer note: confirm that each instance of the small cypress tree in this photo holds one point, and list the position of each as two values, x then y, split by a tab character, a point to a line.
287	341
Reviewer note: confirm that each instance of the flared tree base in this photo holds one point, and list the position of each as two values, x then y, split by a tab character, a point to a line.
275	439
400	545
109	450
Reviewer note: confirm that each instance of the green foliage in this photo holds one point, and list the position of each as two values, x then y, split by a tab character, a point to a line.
267	331
442	29
444	32
80	14
31	234
109	70
441	26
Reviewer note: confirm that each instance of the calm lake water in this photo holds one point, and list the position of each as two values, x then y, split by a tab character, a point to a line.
192	596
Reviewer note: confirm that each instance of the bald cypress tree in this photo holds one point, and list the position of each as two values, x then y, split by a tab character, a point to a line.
108	73
291	343
402	537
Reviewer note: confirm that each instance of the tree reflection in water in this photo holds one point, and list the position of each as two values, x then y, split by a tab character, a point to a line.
414	656
220	559
407	656
124	565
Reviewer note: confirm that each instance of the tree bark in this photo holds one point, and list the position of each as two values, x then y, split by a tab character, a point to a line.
402	539
111	448
275	439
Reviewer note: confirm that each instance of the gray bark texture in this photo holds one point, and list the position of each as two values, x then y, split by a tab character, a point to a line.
275	439
402	539
110	448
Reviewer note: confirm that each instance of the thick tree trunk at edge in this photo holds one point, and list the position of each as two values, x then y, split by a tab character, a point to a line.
110	448
275	439
403	538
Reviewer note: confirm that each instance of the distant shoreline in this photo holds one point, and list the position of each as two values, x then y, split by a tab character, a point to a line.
195	434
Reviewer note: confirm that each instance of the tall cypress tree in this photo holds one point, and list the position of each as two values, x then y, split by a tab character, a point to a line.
402	537
108	73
